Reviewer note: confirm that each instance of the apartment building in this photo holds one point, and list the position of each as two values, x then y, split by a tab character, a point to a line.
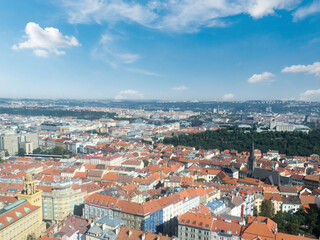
59	201
20	219
12	142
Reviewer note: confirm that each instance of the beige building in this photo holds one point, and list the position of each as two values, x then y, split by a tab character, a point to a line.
58	202
20	219
257	202
12	142
23	217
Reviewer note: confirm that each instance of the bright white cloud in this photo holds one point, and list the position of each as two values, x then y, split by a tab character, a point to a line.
263	77
180	88
311	95
261	8
307	10
45	41
171	15
129	94
310	69
228	97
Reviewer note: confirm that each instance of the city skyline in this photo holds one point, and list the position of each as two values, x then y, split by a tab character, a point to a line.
162	50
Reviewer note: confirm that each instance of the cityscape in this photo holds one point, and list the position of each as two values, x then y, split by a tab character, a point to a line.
160	120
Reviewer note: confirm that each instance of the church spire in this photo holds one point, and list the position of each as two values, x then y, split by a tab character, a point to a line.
252	164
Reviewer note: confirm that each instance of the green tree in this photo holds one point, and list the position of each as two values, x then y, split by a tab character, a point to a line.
31	236
145	162
58	150
21	152
267	209
37	151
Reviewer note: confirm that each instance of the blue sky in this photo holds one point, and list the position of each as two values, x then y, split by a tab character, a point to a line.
168	50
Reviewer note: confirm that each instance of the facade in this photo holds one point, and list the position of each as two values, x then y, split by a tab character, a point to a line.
58	202
20	219
312	181
205	227
158	215
23	217
291	204
12	142
257	202
30	193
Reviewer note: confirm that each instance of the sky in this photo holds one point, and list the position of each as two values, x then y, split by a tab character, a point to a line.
231	50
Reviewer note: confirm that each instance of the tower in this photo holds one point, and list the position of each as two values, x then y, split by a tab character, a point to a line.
30	193
252	162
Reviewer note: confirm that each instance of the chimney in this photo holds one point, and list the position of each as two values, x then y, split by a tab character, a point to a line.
143	236
129	233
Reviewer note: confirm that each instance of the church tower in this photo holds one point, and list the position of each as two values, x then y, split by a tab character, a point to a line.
30	193
252	162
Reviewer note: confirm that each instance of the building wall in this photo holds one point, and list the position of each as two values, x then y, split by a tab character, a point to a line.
30	223
60	202
12	143
154	222
290	207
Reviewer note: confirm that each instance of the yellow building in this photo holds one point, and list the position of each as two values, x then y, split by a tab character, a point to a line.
23	217
58	202
30	193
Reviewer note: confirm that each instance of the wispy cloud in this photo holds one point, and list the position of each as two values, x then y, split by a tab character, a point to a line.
228	97
129	94
179	88
263	77
310	69
107	49
307	10
143	72
45	41
171	15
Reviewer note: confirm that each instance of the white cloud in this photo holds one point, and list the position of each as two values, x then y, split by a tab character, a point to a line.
142	71
261	8
107	49
311	95
129	94
171	15
180	88
228	97
84	11
310	69
45	41
263	77
307	10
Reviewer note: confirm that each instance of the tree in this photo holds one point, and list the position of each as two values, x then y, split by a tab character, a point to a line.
200	180
145	162
255	211
21	152
58	151
267	209
37	151
31	236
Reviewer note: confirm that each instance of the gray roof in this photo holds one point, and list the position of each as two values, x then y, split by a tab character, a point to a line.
270	177
95	230
112	222
213	205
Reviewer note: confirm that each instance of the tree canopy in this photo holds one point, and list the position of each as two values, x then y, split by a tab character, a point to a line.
289	143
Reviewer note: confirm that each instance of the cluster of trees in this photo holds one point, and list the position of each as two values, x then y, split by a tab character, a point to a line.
289	143
299	222
55	151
